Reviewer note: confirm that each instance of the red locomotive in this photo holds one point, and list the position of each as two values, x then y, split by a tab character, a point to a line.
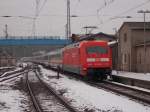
87	58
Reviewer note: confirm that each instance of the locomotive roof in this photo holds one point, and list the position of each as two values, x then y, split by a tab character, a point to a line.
98	35
77	44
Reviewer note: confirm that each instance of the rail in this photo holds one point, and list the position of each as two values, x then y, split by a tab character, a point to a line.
34	100
137	94
57	95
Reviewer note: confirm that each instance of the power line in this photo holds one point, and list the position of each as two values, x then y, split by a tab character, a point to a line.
63	15
76	6
24	17
128	10
135	7
37	12
106	3
43	5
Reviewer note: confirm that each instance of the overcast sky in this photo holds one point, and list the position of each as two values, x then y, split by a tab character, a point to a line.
107	15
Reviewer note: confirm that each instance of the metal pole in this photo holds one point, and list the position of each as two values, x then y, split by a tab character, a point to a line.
144	46
6	31
68	20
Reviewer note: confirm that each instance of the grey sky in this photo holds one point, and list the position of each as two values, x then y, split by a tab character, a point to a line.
52	17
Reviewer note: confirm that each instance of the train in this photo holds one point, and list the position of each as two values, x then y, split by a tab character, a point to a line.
90	59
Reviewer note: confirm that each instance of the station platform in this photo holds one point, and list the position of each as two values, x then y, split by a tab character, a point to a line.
133	79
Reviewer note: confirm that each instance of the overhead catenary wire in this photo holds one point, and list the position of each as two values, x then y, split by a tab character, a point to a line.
87	15
133	8
23	17
37	12
42	6
124	12
106	3
76	6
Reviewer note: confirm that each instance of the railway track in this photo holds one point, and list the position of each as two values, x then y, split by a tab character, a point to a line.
12	75
3	70
6	68
137	94
34	99
134	93
51	91
5	74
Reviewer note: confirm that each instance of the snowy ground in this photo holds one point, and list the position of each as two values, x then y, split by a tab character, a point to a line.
11	98
85	97
140	76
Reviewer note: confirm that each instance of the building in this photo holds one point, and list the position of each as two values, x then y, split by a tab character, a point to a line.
143	64
6	59
131	47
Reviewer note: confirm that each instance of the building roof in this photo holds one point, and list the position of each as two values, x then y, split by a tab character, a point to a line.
136	25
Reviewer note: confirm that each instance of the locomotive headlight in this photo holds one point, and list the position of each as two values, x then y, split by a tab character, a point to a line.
104	59
91	60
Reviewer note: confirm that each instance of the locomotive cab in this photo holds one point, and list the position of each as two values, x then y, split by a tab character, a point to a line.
97	59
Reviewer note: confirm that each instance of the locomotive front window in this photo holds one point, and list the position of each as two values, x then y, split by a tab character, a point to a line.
97	49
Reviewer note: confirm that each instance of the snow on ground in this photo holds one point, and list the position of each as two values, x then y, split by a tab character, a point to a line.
12	100
140	76
84	96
